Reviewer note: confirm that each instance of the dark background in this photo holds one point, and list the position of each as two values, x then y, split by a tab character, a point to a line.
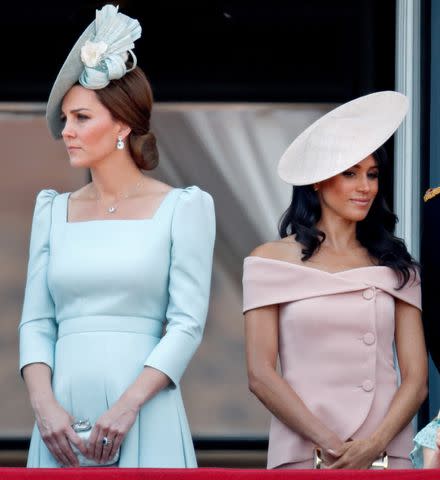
240	50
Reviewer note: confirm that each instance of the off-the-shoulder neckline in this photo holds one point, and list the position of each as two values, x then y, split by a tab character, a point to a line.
291	264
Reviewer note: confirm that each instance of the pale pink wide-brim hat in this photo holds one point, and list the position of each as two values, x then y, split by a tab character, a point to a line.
342	138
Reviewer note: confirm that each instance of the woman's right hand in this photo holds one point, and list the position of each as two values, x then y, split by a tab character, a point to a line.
55	426
328	458
330	444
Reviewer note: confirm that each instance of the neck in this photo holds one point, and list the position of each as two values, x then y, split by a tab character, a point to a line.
113	177
340	233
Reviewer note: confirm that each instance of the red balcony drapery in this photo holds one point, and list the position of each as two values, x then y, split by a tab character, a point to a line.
209	474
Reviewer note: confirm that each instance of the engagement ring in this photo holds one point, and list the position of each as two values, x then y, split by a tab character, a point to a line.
106	442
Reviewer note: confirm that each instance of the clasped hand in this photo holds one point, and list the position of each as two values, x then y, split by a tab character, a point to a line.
354	454
113	426
56	431
55	426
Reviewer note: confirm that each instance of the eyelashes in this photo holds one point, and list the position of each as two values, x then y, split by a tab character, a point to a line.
80	117
350	174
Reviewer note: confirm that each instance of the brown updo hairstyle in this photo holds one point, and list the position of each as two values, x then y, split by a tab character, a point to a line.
130	100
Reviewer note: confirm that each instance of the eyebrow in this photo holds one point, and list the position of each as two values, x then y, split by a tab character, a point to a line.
76	110
372	166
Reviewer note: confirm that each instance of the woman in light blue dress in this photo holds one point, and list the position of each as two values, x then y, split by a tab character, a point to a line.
119	273
426	453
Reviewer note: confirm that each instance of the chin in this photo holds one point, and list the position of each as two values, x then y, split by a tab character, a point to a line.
356	216
77	162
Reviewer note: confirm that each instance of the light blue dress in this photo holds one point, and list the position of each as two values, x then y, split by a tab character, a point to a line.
425	438
103	299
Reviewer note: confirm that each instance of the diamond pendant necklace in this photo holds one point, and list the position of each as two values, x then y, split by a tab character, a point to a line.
109	209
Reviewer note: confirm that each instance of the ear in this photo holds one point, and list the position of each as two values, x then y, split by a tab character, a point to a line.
316	187
123	130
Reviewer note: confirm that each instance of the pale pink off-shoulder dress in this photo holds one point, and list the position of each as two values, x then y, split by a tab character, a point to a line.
336	334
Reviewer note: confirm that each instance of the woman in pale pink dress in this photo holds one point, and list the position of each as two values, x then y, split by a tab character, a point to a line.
332	298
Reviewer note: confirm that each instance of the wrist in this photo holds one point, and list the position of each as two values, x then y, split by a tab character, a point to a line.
378	443
329	442
133	399
40	401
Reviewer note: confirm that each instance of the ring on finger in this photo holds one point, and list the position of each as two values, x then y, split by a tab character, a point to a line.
106	442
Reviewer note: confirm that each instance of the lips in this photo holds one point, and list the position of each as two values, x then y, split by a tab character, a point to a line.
360	201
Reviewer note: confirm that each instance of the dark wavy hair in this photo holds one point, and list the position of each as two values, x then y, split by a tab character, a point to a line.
375	232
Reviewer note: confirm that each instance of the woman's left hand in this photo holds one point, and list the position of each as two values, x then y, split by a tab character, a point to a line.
356	454
113	425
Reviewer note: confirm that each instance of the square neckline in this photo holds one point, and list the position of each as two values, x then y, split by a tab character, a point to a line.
112	220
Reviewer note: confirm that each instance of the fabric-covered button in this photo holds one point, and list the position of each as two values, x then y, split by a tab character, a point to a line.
368	294
369	338
367	385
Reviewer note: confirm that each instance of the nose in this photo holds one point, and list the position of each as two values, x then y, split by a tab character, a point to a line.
67	131
363	184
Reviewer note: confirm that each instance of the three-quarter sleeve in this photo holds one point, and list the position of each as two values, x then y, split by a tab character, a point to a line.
192	244
38	329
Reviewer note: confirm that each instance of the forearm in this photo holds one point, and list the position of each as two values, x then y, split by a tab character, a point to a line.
37	377
277	395
404	406
149	382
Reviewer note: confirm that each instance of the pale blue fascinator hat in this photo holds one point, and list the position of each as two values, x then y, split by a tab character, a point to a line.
99	56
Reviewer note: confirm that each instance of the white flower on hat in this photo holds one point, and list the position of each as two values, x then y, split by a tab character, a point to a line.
105	54
92	53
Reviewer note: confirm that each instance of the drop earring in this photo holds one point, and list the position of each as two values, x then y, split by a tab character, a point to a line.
120	143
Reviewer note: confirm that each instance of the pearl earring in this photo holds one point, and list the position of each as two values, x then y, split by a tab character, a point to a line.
120	143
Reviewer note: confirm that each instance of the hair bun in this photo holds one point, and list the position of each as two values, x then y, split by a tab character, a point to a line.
144	150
